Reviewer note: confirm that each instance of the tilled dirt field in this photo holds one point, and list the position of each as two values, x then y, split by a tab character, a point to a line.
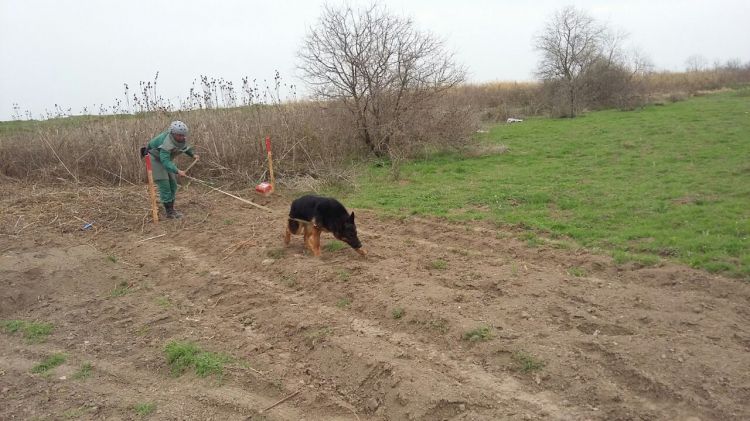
571	335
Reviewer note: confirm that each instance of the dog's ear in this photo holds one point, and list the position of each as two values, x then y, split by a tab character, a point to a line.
351	218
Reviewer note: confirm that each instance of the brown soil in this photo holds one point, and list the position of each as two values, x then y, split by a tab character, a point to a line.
616	342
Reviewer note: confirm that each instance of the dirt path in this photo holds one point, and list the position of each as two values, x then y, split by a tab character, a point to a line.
371	338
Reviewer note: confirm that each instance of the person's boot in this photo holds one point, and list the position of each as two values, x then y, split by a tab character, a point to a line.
177	213
171	213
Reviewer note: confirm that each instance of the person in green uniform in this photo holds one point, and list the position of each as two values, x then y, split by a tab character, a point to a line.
163	149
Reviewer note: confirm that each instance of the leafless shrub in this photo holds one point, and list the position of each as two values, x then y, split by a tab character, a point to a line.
570	43
387	74
493	102
585	66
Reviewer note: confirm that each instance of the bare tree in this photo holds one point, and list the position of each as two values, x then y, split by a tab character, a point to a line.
696	63
379	65
571	43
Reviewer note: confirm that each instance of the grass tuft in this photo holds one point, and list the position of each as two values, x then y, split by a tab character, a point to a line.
275	253
143	409
84	372
438	264
527	362
184	355
120	290
163	302
289	280
481	333
49	363
334	246
577	272
33	332
344	275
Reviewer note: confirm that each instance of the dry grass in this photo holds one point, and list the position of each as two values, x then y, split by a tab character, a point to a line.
691	83
309	140
314	143
70	208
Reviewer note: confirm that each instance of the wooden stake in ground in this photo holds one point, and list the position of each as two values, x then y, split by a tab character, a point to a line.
270	162
152	190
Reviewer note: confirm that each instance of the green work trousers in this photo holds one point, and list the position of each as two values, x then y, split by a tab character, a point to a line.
167	188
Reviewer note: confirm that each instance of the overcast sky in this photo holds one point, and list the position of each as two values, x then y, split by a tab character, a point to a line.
80	53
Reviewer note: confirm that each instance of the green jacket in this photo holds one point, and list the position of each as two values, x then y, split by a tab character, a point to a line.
164	148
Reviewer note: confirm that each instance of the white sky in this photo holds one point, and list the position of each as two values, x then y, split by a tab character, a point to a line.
80	53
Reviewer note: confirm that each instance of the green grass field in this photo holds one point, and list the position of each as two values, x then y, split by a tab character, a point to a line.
663	182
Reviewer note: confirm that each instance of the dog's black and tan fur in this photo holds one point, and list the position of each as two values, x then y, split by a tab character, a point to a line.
312	215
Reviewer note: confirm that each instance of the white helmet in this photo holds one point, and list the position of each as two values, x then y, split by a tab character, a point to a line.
178	127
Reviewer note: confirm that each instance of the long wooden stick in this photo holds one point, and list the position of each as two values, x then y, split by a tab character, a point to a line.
270	162
230	194
150	238
282	401
191	165
152	190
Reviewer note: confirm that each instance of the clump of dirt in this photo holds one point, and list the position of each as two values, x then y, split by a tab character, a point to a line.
440	321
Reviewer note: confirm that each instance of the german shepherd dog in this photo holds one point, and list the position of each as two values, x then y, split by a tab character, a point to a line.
312	215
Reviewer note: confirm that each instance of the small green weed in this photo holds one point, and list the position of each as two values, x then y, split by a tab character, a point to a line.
317	335
163	302
532	240
289	280
434	325
184	355
228	222
275	253
143	409
74	413
181	356
334	246
577	271
32	331
344	275
481	333
13	326
343	303
207	363
527	361
438	264
48	364
84	372
398	313
112	258
121	289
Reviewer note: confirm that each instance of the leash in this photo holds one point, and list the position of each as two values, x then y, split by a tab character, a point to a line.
230	194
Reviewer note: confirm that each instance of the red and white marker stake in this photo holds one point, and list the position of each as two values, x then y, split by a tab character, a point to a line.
265	188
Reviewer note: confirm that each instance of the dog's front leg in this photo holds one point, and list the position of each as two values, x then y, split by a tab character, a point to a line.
316	241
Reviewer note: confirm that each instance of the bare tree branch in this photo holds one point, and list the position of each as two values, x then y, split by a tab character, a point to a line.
379	65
